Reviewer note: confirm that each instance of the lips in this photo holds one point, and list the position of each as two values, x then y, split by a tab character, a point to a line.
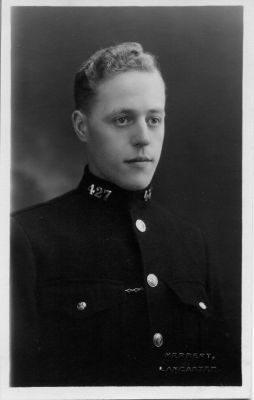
139	159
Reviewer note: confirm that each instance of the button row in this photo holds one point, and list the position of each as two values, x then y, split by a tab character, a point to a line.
152	281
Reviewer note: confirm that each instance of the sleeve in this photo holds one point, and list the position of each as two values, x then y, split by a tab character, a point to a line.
23	310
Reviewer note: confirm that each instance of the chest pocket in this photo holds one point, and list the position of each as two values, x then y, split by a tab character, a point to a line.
80	316
80	322
191	315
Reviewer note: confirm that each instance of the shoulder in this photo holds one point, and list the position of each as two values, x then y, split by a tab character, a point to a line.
45	221
46	209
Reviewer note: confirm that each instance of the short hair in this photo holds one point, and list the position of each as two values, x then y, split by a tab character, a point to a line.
105	63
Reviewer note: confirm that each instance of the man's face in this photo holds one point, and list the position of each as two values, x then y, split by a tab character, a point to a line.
125	129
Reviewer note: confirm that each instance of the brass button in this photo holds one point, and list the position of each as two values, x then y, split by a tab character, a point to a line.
202	305
157	339
152	280
81	305
140	225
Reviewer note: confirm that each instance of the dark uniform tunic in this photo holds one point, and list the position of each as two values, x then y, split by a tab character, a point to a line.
110	289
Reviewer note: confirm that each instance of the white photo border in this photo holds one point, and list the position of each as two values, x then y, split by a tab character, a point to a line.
169	392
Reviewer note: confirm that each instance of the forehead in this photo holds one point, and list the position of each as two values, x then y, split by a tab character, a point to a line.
131	89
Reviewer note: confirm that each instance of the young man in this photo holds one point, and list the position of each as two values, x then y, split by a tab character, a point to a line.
107	287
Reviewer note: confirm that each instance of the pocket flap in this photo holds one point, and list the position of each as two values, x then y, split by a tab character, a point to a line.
80	298
193	293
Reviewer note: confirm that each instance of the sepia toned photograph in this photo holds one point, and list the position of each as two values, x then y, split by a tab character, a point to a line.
126	197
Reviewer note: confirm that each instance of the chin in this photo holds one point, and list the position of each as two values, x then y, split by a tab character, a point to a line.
135	184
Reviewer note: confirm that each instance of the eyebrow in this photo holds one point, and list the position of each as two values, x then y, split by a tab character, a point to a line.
129	111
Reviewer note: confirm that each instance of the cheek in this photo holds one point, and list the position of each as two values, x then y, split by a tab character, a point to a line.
161	137
111	145
105	149
158	141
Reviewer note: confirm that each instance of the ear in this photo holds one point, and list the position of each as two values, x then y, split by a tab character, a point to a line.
79	121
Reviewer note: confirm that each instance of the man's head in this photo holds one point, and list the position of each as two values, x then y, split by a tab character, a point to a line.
120	102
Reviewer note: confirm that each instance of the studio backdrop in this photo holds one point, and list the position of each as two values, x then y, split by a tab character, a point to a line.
199	175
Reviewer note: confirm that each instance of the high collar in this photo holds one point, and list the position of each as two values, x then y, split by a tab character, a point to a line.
105	192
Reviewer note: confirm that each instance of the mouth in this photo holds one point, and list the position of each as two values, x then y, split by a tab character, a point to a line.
139	160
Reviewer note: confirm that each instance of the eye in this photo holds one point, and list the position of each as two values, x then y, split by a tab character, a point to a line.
154	121
122	121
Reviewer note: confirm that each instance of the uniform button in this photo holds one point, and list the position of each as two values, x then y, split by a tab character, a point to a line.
152	280
81	305
140	225
158	339
202	305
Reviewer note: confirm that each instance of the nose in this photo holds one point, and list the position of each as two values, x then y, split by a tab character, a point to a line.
141	136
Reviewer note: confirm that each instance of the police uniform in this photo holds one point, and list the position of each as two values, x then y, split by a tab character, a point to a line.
108	288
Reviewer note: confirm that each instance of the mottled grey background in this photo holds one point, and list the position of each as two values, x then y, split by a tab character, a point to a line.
200	50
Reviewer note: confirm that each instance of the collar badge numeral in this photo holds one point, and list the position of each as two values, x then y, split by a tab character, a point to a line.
148	194
99	192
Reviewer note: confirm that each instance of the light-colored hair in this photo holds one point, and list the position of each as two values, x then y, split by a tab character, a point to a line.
105	63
